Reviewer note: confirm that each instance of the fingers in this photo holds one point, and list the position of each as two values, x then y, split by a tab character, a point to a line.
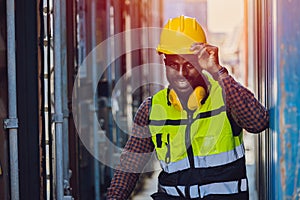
203	53
198	48
207	52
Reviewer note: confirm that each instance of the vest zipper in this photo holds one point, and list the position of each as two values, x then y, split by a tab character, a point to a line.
188	142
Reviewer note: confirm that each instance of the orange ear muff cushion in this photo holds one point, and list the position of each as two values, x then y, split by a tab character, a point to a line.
196	97
175	100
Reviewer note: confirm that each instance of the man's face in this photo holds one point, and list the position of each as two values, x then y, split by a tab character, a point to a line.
183	73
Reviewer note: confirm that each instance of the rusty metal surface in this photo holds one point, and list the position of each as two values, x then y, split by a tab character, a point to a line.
286	118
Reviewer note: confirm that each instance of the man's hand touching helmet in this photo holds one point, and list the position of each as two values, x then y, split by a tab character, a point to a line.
208	58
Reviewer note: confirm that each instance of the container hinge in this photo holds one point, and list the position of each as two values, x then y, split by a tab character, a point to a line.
10	123
58	118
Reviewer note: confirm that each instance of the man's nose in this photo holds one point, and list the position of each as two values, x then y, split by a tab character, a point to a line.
182	70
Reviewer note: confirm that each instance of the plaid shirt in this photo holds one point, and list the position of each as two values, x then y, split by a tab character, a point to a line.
245	109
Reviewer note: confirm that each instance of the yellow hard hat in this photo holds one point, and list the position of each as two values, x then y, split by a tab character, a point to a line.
179	34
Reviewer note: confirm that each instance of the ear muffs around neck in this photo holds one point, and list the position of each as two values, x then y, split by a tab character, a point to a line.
194	101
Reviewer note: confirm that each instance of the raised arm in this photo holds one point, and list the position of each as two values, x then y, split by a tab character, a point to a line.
245	109
241	104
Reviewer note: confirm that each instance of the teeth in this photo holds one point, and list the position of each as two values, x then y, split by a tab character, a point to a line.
182	84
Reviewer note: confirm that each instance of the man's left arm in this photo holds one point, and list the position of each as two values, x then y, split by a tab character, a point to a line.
245	109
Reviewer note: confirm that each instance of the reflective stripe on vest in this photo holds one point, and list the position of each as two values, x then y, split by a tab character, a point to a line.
206	161
195	191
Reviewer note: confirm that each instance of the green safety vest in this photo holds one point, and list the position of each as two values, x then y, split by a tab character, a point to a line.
200	139
201	152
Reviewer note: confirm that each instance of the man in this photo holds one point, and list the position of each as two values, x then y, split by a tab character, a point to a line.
195	125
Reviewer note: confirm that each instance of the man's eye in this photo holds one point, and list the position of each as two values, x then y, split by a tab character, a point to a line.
189	66
174	65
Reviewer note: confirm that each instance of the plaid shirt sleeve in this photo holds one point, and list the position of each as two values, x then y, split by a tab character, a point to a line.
245	109
134	157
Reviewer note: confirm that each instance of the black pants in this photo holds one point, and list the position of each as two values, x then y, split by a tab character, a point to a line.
164	196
